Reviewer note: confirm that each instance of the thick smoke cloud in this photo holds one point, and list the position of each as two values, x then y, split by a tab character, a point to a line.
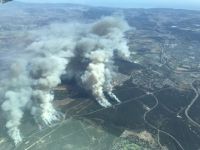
94	77
109	35
81	51
17	94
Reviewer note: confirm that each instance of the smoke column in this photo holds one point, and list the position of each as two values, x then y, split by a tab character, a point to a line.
56	50
109	32
17	95
32	78
94	76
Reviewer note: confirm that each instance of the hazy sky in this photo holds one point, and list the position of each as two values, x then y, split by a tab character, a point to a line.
188	4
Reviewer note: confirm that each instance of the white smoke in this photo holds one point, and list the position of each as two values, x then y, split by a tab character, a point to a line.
32	78
61	49
109	35
94	76
17	94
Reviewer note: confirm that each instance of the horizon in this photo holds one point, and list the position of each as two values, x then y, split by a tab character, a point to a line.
178	4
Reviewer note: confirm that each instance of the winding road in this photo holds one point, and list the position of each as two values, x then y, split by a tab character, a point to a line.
154	127
190	105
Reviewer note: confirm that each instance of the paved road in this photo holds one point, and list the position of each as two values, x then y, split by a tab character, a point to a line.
190	105
154	127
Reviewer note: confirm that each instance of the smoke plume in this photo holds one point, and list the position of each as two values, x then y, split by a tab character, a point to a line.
109	35
81	51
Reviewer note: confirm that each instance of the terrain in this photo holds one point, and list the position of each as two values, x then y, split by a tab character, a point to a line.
159	87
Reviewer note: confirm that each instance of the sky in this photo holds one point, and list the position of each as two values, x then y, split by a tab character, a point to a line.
183	4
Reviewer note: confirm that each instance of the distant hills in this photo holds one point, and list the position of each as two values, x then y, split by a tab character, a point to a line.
4	1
